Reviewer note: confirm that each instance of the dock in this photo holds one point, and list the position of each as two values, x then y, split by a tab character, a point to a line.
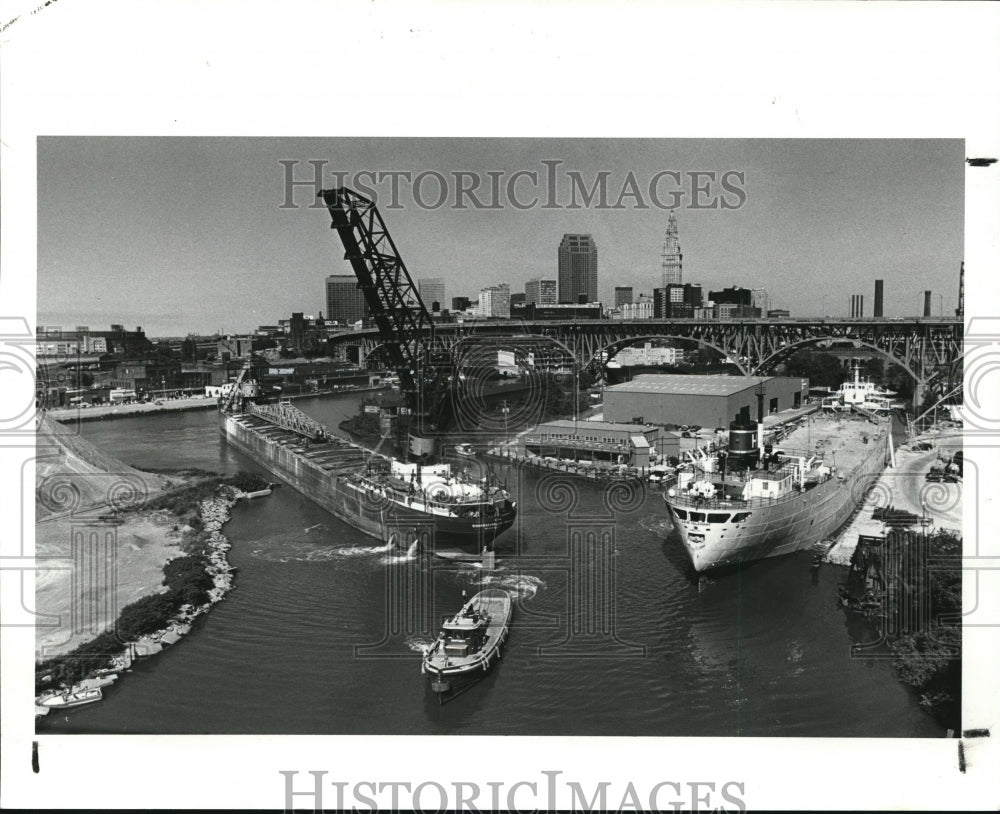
901	487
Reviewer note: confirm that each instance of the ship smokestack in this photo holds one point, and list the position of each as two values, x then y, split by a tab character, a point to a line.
744	447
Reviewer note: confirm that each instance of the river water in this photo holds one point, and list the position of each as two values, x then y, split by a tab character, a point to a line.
612	635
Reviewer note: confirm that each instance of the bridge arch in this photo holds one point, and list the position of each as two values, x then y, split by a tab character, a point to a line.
619	344
788	350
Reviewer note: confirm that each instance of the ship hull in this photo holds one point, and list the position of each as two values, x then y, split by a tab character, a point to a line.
344	498
778	528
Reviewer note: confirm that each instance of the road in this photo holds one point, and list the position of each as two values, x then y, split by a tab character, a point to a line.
905	487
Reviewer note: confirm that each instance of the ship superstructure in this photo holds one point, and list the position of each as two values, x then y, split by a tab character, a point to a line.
861	394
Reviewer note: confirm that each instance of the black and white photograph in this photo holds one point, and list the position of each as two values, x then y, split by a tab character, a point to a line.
647	462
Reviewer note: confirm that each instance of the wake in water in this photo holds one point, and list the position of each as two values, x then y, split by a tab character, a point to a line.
658	525
520	586
418	644
306	552
363	550
318	525
411	554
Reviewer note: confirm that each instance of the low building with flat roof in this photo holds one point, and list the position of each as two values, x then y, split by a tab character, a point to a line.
602	442
708	401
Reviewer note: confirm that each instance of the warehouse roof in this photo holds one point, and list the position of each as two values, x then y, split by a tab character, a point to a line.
721	385
570	424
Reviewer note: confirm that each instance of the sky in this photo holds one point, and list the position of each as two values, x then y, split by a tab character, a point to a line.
197	235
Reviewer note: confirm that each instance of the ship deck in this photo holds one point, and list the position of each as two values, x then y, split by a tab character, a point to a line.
839	440
334	455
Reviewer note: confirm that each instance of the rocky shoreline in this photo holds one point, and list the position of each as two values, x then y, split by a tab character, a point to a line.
214	512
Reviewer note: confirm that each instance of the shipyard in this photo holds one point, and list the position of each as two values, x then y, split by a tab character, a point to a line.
427	510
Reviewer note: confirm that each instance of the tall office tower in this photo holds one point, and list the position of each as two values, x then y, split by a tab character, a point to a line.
927	303
857	306
759	299
431	292
577	269
878	299
345	302
540	292
671	253
623	295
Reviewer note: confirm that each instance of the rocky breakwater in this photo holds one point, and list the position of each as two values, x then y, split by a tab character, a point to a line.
194	583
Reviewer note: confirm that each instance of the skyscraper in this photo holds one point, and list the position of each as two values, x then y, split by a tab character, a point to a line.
672	253
577	269
878	299
540	292
623	295
345	302
431	292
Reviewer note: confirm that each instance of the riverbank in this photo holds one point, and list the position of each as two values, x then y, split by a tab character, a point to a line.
104	412
194	582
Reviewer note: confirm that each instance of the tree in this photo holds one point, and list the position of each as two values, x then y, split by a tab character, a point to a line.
822	369
873	369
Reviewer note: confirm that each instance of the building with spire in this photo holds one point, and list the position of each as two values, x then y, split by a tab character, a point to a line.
672	254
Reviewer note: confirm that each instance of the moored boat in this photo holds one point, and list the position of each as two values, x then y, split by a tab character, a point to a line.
470	642
72	699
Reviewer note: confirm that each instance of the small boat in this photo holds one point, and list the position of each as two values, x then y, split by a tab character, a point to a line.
465	449
73	699
469	643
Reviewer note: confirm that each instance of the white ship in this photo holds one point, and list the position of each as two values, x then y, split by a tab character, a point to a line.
863	394
754	501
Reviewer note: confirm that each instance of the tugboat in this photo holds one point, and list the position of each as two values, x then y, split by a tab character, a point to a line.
469	644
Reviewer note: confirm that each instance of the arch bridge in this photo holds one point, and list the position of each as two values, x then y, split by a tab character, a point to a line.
928	348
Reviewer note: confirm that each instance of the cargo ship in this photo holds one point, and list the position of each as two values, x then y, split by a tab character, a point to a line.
403	504
755	499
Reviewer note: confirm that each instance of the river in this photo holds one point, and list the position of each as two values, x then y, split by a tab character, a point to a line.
612	635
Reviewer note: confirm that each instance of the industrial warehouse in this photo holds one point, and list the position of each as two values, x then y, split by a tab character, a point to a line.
708	401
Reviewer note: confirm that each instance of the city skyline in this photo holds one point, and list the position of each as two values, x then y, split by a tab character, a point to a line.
200	258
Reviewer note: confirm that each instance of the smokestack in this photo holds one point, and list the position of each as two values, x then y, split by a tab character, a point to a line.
927	303
878	299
